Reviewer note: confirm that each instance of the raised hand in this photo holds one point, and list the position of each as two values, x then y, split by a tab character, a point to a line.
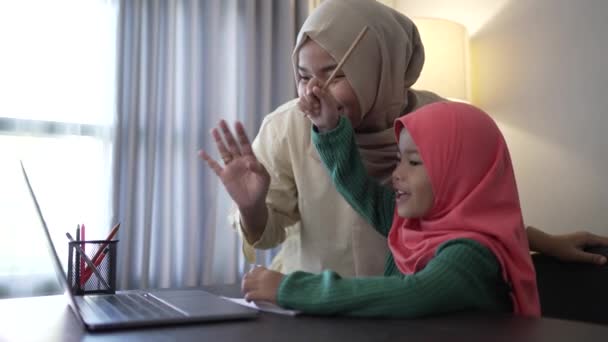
320	106
244	177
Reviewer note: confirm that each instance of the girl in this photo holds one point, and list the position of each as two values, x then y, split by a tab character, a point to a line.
453	221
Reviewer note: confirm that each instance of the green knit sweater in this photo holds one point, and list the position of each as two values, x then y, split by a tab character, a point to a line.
463	275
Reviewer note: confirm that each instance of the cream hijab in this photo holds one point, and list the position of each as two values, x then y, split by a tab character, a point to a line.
381	69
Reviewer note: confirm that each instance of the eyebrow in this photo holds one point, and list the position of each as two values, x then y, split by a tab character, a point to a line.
326	68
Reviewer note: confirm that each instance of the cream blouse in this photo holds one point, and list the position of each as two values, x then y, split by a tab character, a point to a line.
317	228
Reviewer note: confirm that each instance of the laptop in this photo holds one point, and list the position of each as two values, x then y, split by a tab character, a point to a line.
140	308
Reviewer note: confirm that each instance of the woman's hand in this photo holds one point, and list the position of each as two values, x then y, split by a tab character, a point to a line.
243	176
261	284
320	106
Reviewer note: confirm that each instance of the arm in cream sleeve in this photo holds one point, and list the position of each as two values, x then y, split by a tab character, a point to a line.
272	150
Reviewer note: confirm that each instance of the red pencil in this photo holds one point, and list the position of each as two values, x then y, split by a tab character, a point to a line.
100	254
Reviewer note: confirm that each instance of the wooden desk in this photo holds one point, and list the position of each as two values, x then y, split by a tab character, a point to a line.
50	319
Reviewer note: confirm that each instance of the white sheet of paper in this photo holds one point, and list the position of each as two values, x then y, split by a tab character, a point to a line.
264	306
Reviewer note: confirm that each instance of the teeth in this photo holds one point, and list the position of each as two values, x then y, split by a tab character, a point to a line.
401	193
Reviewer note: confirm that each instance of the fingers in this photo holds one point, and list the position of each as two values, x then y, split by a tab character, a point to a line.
595	240
253	289
307	107
231	149
253	296
304	106
320	93
311	102
217	168
599	259
250	281
219	142
243	139
314	82
585	257
325	96
232	146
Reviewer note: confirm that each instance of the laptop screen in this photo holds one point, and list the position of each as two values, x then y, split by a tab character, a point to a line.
59	266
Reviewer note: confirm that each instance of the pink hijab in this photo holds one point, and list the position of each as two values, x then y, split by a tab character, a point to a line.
475	196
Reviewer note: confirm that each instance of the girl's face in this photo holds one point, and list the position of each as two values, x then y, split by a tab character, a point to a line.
414	192
315	62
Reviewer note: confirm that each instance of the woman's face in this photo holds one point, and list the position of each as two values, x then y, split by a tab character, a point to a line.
315	62
413	189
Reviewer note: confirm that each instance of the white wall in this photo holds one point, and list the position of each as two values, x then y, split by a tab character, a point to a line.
540	68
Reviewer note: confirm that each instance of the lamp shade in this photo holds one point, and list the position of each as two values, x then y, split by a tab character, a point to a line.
446	68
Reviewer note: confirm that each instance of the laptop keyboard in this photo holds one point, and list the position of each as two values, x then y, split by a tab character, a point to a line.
131	306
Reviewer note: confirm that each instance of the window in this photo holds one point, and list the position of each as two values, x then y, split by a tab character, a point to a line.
57	100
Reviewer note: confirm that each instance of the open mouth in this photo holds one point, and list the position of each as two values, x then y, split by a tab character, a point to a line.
402	196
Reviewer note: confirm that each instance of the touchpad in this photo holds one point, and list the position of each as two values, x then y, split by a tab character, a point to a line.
196	302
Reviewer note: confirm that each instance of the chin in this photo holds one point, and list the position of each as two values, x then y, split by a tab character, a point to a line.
404	213
409	214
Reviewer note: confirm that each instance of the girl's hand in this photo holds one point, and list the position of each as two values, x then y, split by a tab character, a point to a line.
243	176
261	285
320	106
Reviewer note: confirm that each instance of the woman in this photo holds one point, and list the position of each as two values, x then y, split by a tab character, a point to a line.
283	192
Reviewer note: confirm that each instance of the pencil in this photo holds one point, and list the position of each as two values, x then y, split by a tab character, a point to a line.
99	255
346	55
88	261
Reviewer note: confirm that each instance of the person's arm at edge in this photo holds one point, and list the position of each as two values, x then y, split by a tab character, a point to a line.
567	247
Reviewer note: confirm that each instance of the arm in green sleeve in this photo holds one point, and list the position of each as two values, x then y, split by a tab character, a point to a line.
338	150
463	275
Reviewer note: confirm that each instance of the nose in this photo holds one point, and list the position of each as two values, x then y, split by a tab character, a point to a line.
396	175
314	81
399	173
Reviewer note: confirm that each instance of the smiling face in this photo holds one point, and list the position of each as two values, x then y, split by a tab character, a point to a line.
414	191
315	62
